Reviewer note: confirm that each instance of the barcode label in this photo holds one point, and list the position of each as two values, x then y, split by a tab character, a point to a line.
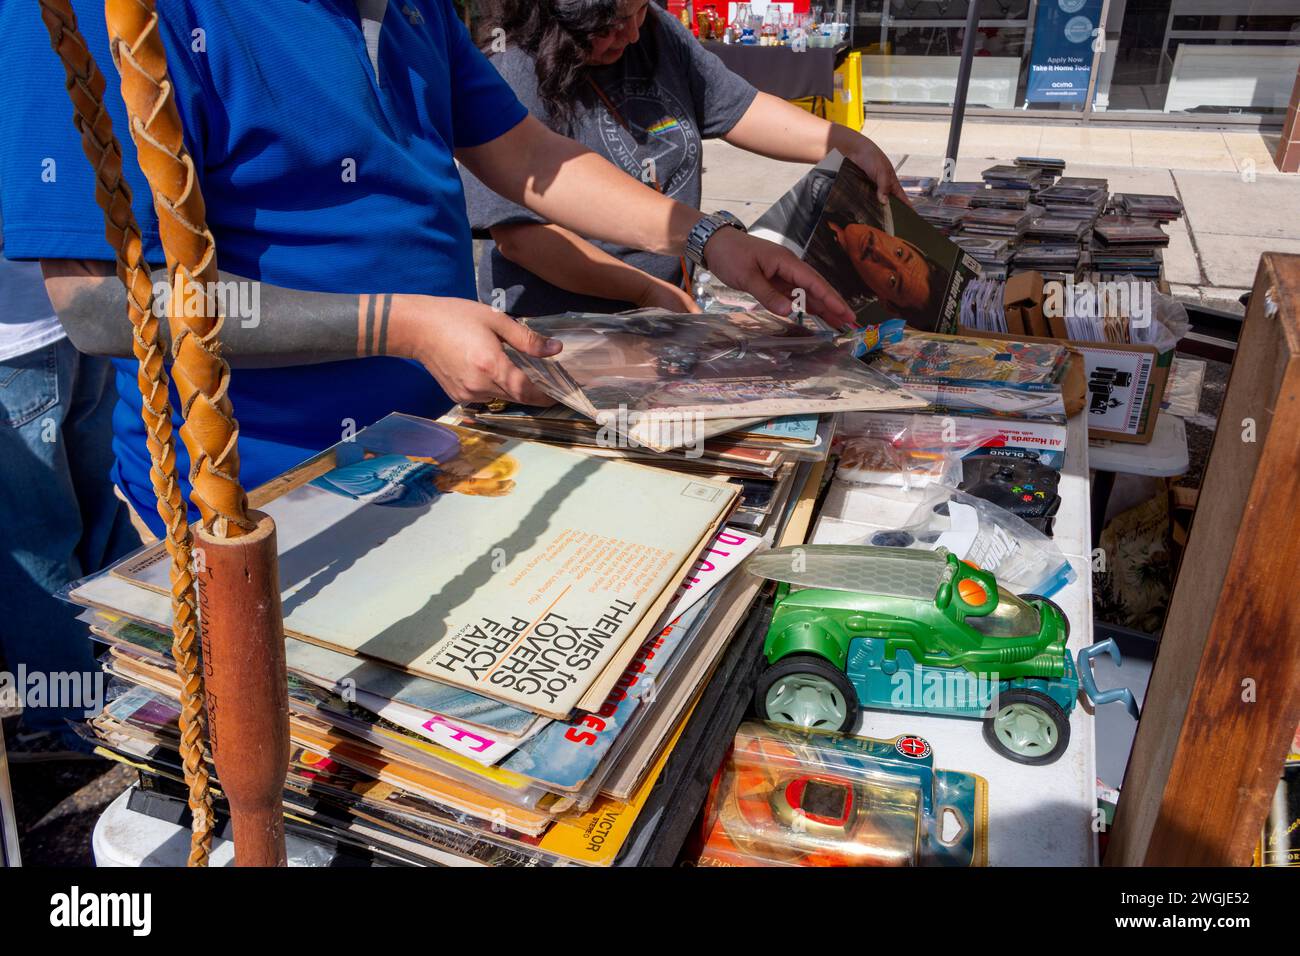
1139	389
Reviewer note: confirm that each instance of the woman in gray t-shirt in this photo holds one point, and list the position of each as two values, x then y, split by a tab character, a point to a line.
627	80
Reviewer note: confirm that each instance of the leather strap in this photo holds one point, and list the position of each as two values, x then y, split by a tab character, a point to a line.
210	431
85	86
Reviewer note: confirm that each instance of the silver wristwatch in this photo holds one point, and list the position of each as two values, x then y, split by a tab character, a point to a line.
703	231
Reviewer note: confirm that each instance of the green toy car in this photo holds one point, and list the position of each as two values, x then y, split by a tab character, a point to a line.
921	632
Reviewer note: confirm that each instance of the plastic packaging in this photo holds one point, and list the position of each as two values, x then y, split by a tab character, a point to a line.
973	360
907	451
1170	325
1022	558
1183	387
785	798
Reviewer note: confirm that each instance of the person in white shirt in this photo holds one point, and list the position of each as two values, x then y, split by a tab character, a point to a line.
60	516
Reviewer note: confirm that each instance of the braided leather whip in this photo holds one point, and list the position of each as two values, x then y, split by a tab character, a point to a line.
210	431
85	85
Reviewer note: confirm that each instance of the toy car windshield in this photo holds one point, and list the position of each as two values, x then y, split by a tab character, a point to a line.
899	572
1011	618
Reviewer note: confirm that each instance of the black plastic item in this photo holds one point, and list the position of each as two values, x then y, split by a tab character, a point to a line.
164	799
1213	334
670	812
964	66
1025	488
1132	644
893	539
783	72
159	806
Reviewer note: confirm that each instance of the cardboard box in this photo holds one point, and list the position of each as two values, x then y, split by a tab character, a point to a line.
1126	384
1022	298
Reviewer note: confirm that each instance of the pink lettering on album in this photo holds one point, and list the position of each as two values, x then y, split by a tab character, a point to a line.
459	733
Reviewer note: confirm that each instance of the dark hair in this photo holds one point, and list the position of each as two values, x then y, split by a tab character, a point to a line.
557	34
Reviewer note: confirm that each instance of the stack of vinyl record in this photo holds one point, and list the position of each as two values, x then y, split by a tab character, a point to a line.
761	459
493	644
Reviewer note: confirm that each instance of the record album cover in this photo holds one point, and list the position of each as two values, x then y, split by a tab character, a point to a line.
886	260
509	568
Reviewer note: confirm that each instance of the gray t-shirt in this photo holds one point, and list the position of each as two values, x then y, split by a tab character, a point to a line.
671	93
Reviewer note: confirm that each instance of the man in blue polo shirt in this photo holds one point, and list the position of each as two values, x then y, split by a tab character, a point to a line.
326	134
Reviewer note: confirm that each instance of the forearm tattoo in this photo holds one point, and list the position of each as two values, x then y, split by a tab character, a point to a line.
378	310
265	326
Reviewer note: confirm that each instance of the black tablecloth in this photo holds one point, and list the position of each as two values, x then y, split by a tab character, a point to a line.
781	71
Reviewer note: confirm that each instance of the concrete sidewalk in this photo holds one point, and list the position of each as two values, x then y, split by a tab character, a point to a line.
1237	204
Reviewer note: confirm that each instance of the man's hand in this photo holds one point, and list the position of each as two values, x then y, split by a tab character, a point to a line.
873	161
459	342
771	274
657	294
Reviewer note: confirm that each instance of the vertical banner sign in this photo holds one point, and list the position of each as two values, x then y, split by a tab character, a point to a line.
1064	32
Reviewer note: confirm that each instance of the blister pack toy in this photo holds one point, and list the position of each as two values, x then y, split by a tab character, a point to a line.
786	798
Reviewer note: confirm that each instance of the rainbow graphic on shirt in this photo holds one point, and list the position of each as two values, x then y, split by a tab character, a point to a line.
665	125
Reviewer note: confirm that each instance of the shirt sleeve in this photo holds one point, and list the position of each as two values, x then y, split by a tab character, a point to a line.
487	209
48	184
721	97
483	105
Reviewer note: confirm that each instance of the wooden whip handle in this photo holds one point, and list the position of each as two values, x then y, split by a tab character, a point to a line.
247	691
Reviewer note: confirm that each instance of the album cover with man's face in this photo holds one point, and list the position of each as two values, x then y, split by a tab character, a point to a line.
886	260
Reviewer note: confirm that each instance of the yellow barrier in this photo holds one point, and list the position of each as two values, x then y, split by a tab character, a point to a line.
846	105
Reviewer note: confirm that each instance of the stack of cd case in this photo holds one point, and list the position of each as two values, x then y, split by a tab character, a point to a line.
997	198
991	252
1021	178
997	222
943	217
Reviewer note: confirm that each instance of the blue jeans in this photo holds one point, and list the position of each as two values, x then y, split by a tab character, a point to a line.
59	517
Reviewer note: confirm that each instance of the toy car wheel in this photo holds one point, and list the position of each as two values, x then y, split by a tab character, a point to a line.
1031	598
807	691
1028	727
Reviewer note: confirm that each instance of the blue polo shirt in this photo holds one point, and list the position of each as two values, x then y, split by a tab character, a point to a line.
318	174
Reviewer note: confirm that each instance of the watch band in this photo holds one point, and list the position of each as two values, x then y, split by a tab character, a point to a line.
703	231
